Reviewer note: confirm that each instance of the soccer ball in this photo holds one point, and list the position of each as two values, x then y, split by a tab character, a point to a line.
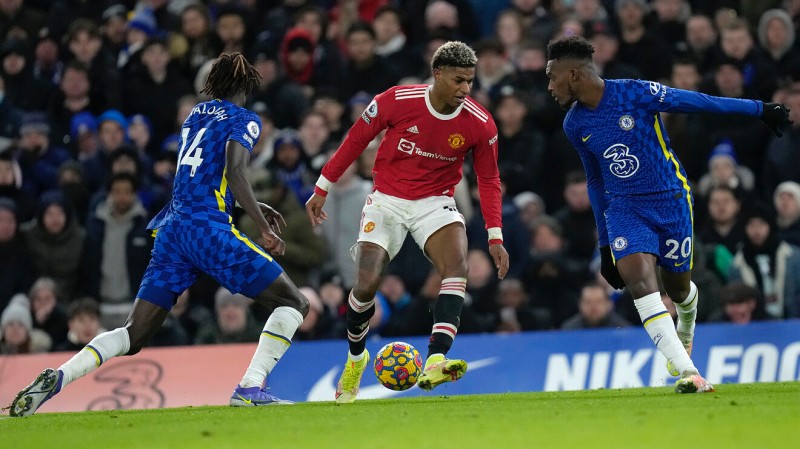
398	365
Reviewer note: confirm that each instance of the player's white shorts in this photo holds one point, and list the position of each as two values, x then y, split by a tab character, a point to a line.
386	220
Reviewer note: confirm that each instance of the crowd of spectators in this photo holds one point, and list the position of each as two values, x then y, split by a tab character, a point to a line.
93	94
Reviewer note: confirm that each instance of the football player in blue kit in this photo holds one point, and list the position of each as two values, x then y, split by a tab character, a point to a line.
640	196
195	234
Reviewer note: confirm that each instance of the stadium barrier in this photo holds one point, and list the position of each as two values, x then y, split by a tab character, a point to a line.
498	363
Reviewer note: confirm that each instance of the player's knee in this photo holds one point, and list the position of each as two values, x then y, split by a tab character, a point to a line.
301	304
677	294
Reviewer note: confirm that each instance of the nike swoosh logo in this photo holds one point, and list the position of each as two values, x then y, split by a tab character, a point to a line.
586	138
679	264
246	401
324	389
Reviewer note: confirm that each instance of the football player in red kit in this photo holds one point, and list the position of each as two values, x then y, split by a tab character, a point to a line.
429	131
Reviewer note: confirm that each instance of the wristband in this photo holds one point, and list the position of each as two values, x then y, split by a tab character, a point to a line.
322	186
495	236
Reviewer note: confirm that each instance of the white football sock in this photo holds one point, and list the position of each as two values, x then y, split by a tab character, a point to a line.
101	349
658	324
687	312
274	341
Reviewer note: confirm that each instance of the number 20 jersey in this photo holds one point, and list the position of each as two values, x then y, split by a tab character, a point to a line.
200	194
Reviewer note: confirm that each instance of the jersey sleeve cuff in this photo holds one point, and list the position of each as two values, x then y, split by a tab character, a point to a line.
322	186
495	236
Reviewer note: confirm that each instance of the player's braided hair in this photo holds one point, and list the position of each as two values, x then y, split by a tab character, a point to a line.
454	54
574	47
231	74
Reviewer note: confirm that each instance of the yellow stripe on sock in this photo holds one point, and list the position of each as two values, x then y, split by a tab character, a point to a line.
97	358
655	317
281	339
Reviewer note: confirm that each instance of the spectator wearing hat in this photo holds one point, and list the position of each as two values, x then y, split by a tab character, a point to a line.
305	249
327	50
118	248
334	110
297	59
290	165
782	160
787	204
83	135
56	243
21	88
141	27
17	335
114	29
200	42
140	133
48	313
282	99
724	169
234	321
112	133
766	262
11	187
38	158
530	206
154	92
16	269
47	66
83	324
85	44
776	36
357	104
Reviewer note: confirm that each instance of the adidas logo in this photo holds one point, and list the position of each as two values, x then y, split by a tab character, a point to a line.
413	129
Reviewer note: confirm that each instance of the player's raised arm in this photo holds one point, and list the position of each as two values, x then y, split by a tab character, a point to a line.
237	159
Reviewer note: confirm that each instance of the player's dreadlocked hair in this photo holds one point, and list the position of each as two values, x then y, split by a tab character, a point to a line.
454	54
231	74
574	47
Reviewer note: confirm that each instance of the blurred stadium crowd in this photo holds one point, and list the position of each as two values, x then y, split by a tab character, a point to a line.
93	94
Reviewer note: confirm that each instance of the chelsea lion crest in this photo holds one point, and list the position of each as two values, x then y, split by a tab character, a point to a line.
626	122
620	243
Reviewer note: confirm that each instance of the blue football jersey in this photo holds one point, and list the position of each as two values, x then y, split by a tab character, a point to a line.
200	193
623	144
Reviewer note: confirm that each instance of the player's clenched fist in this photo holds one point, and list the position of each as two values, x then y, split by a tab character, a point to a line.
273	243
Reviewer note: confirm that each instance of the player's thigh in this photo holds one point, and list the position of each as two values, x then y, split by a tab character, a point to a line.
447	250
628	231
169	271
675	235
437	226
235	262
383	223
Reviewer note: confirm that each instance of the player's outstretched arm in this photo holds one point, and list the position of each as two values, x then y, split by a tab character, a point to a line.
237	159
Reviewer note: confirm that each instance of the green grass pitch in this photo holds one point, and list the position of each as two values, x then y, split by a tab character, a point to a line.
765	415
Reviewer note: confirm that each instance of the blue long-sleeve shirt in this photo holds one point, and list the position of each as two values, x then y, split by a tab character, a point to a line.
623	144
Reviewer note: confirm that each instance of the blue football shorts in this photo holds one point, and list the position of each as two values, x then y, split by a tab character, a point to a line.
659	224
181	253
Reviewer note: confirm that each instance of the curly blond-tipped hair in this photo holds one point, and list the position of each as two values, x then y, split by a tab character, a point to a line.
454	54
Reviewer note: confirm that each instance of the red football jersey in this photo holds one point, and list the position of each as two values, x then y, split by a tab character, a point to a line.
422	152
